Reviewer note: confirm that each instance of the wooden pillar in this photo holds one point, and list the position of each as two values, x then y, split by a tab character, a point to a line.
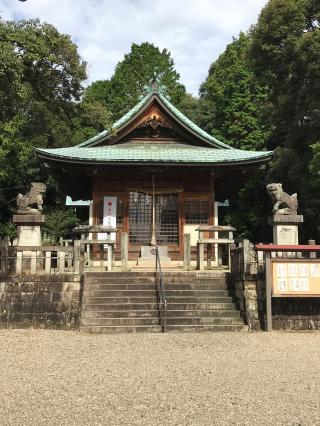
268	292
101	249
153	241
187	251
200	252
209	254
124	251
110	256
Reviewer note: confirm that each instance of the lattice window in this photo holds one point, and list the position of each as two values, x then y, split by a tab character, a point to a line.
167	219
140	218
196	212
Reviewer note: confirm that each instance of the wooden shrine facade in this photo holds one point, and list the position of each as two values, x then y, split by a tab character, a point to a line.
181	204
165	172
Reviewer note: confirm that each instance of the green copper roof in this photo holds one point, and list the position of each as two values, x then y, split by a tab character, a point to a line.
155	153
123	120
156	93
191	124
151	152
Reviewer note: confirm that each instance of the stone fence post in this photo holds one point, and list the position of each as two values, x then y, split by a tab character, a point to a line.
4	254
245	282
78	259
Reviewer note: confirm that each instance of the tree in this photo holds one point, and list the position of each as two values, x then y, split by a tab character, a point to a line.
41	76
233	98
285	56
59	223
231	108
125	87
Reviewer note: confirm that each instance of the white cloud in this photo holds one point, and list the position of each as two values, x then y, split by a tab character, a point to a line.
195	31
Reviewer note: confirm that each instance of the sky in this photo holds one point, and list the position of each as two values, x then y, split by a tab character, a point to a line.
196	32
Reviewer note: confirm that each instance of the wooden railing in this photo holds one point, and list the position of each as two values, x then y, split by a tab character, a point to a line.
213	241
61	259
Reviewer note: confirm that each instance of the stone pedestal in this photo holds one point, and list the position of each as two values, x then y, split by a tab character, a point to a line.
285	229
29	229
148	256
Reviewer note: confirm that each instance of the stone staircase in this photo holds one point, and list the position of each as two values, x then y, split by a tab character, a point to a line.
115	302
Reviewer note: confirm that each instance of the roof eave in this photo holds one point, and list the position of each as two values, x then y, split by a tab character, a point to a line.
94	162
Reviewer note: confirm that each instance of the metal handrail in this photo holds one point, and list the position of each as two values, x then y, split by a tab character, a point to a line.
161	292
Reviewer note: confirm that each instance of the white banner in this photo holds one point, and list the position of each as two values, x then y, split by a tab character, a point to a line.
109	217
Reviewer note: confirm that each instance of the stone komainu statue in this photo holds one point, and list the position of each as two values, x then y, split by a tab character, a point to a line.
283	203
32	201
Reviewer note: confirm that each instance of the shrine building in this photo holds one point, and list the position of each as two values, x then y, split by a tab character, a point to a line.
159	168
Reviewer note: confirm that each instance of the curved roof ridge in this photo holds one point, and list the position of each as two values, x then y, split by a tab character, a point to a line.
178	114
191	124
119	122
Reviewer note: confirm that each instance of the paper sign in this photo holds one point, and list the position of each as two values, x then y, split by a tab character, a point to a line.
314	270
281	270
303	270
299	284
109	217
283	284
293	270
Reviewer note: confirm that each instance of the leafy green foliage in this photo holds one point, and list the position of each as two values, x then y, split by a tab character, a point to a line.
231	108
41	75
8	230
125	87
284	54
59	223
233	96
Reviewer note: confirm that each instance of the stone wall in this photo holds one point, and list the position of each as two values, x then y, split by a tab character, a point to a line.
247	291
50	301
296	313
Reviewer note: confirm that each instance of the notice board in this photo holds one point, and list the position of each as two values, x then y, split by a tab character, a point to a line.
295	277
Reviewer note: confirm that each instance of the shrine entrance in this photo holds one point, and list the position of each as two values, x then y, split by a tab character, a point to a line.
166	218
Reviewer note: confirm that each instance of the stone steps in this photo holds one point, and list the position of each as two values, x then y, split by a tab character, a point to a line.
153	286
120	306
154	313
128	303
112	329
153	293
203	321
88	294
128	322
205	328
137	321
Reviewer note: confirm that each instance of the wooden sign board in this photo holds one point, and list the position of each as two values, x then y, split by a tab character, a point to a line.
295	277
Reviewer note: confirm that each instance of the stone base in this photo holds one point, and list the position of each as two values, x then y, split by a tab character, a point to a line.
285	234
29	236
148	256
28	219
286	219
285	229
29	229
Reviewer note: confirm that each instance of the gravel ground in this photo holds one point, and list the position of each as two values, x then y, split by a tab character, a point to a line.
68	378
